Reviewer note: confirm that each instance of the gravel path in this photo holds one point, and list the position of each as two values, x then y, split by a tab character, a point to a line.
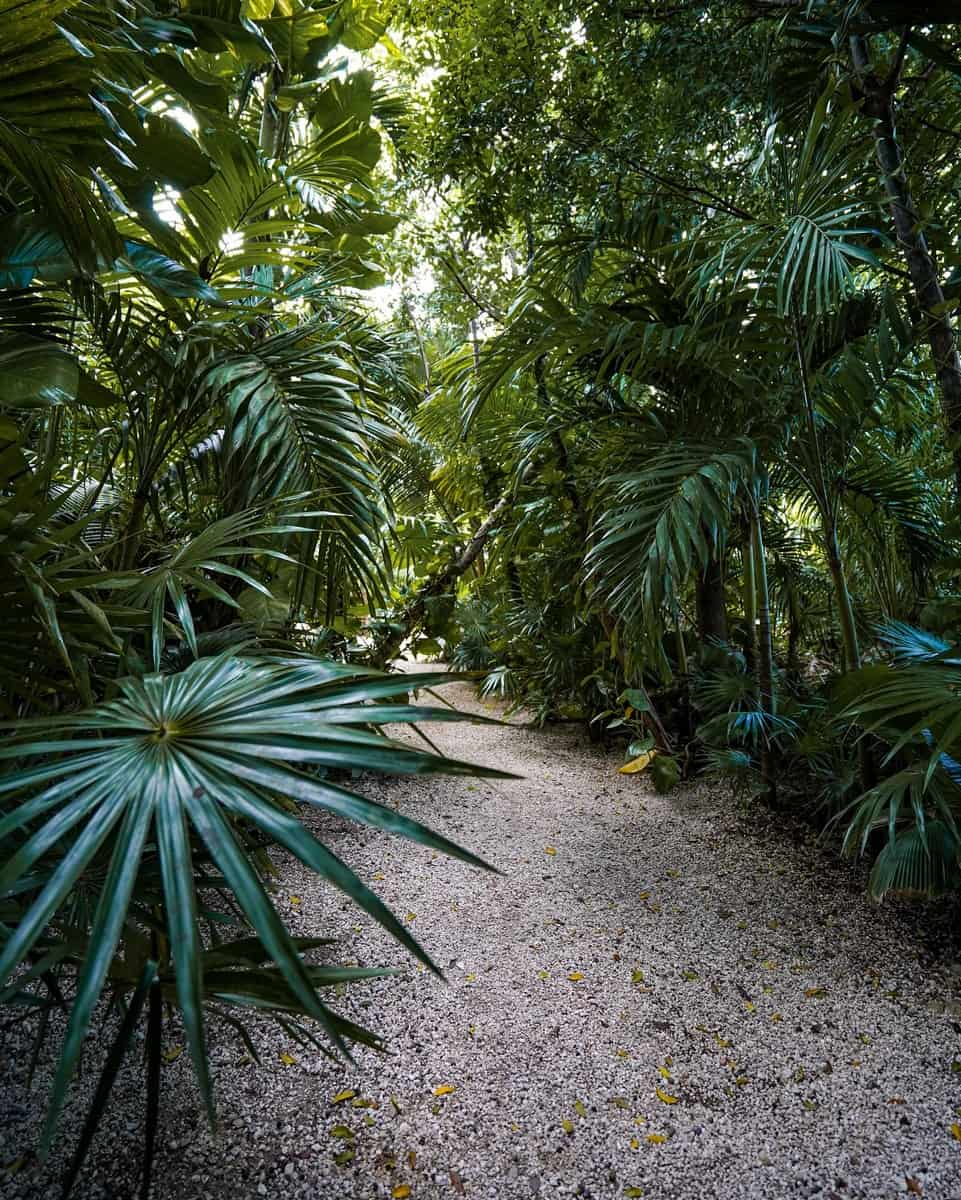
667	996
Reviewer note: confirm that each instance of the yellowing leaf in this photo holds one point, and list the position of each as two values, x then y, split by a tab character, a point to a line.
815	993
543	975
656	1139
294	900
722	1043
287	1059
956	1131
575	976
567	1126
346	1094
445	1089
470	978
662	1095
551	850
411	916
638	764
173	1053
580	1109
401	1192
664	1072
623	1054
633	1192
637	977
634	1143
776	1017
379	875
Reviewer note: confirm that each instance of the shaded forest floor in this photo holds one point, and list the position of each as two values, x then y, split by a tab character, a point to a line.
669	996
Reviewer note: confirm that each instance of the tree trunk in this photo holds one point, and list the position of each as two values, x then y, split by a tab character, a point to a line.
879	104
765	655
710	602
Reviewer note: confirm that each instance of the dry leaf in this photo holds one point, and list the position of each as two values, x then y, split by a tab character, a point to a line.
656	1139
412	1159
287	1059
551	850
173	1053
815	993
662	1095
956	1131
457	1183
295	900
634	1143
445	1089
914	1186
664	1072
401	1192
575	976
411	916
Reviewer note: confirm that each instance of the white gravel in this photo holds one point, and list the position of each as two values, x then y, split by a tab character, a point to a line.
806	1043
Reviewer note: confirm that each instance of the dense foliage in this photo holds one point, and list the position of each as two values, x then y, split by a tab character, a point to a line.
607	352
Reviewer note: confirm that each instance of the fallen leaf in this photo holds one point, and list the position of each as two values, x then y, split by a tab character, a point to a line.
551	850
575	976
956	1131
567	1126
913	1186
411	916
656	1139
634	1144
344	1157
815	993
664	1072
295	900
623	1054
401	1192
173	1053
287	1059
346	1094
379	875
543	975
470	978
341	1131
722	1043
457	1183
776	1017
662	1095
637	977
580	1109
633	1192
445	1089
412	1159
638	764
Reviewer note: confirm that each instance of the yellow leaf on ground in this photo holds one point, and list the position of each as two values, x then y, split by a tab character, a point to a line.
401	1192
567	1126
470	978
346	1094
173	1053
956	1131
445	1089
575	976
634	1144
664	1072
633	1192
579	1108
656	1139
543	975
815	993
638	764
294	899
379	875
662	1095
341	1131
287	1059
637	976
411	916
551	850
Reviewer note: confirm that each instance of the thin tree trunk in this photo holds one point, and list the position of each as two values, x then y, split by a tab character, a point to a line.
879	104
765	657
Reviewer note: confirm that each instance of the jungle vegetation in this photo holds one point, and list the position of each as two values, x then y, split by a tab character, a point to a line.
605	351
